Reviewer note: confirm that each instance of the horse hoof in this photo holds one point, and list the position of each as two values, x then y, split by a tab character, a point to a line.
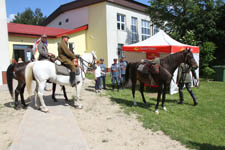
43	109
195	104
25	106
164	108
79	106
157	112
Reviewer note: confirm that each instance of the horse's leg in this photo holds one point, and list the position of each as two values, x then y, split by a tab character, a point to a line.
21	95
158	99
77	103
36	105
142	91
133	91
41	87
17	91
164	97
64	93
53	92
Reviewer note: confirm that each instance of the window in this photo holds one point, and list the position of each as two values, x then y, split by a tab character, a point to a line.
145	29
60	23
71	47
134	30
156	29
120	52
120	22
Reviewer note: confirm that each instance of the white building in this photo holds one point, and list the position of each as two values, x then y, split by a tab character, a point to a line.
4	57
111	24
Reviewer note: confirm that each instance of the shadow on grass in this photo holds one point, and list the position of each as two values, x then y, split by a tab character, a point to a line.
206	146
131	104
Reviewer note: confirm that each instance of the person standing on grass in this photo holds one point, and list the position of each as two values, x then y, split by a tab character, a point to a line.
115	74
97	73
184	78
103	72
123	66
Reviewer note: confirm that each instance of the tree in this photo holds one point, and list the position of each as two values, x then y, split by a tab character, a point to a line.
200	17
30	17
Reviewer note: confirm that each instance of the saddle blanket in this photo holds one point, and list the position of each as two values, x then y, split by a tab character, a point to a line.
62	70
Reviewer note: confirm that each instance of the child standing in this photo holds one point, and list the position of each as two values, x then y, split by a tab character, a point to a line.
98	77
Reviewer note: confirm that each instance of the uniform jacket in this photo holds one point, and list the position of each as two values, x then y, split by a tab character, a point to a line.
123	66
115	70
103	69
184	75
43	51
64	53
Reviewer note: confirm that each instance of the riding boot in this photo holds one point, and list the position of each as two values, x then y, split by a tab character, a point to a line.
181	95
72	79
113	87
118	87
193	97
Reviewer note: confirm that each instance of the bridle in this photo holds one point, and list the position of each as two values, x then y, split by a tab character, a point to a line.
90	66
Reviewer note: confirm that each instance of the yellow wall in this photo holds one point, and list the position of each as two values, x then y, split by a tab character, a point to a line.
96	34
79	40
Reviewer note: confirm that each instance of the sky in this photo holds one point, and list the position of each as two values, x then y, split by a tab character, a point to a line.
47	6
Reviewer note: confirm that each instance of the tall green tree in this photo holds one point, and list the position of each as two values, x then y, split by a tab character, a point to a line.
30	17
200	17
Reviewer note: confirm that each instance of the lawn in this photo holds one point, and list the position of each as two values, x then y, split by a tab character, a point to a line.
201	127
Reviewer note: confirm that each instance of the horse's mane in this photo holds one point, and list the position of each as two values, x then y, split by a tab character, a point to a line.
171	60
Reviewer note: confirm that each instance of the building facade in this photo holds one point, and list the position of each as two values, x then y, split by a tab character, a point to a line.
3	43
22	39
111	24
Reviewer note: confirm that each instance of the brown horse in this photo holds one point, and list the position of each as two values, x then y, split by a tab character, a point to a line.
161	73
17	71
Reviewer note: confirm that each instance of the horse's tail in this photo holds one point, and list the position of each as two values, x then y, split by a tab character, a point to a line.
127	75
29	77
10	76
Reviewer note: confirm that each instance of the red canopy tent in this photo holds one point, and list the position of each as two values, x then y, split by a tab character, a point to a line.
160	45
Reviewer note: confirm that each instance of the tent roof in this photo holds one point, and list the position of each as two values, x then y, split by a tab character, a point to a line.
161	42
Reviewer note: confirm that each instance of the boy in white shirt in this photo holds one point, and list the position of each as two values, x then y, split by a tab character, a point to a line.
97	77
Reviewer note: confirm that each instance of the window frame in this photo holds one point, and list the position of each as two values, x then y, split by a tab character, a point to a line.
145	29
121	23
134	34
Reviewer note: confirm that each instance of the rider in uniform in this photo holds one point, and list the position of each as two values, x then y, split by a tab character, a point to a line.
123	66
184	78
67	57
103	72
43	49
115	74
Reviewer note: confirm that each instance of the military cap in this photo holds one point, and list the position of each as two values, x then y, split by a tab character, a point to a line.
44	36
65	36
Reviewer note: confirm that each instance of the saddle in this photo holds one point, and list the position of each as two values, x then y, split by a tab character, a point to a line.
148	67
63	70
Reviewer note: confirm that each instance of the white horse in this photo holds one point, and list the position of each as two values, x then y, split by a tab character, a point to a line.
44	70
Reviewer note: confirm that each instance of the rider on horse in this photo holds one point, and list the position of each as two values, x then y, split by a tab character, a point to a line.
66	57
43	49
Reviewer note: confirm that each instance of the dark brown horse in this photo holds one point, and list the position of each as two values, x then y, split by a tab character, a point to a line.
161	73
17	71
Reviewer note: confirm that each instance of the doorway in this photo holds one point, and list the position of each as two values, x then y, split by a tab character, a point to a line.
24	52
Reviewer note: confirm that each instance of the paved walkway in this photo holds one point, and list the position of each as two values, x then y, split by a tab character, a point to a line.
56	130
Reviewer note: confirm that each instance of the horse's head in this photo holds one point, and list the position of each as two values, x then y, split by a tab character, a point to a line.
92	64
189	58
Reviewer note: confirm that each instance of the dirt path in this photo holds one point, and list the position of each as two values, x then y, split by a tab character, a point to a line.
103	123
9	120
106	127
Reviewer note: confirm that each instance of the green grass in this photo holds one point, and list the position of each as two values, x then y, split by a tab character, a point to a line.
201	127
